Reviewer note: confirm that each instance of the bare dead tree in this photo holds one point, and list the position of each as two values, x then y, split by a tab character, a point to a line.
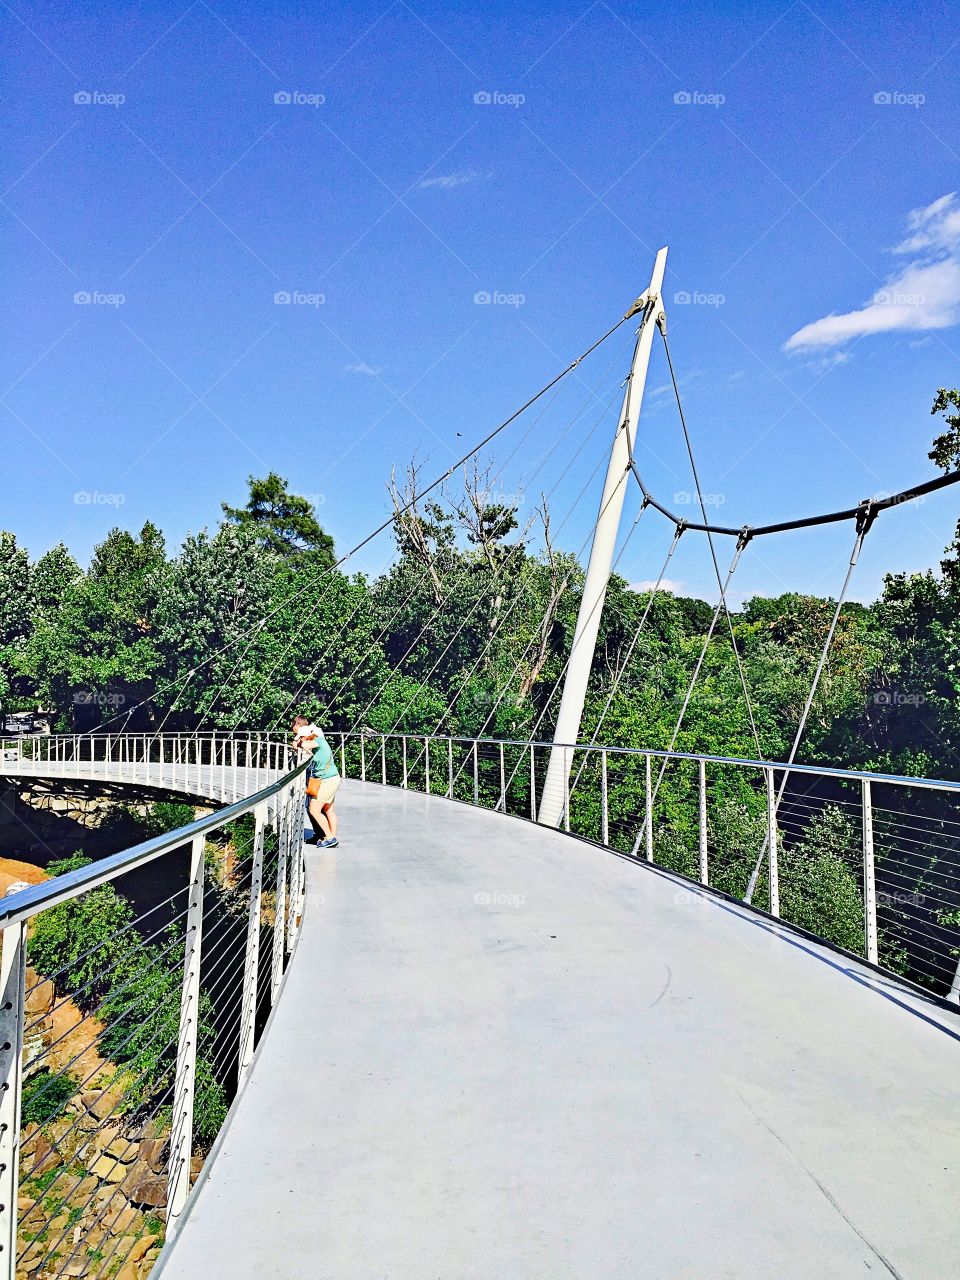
486	523
559	581
417	528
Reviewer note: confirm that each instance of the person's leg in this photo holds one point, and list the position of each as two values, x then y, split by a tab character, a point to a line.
318	818
331	816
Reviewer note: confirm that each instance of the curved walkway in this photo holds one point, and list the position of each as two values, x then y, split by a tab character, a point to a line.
209	782
503	1054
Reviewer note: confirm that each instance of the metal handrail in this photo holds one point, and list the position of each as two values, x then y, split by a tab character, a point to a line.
28	902
858	775
212	766
876	850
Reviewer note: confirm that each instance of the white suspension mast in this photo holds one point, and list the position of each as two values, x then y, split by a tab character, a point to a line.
552	800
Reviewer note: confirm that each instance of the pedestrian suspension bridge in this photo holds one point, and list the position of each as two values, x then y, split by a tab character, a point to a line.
508	1028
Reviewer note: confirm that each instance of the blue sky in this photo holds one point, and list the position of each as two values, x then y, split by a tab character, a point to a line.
182	165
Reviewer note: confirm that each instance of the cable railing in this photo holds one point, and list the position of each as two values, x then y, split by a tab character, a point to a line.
135	990
868	862
136	987
232	763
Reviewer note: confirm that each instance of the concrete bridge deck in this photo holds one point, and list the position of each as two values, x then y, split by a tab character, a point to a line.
225	783
503	1053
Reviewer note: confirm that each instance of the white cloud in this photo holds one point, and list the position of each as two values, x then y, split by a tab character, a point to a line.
666	584
924	294
448	180
362	367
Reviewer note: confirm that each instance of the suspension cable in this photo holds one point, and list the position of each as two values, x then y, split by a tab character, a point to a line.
386	524
741	544
625	660
863	527
661	325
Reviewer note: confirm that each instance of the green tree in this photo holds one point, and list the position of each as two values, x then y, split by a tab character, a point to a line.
97	648
285	523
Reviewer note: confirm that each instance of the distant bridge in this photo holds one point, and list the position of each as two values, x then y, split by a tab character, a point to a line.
500	1050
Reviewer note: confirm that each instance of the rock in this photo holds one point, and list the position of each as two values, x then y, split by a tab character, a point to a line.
196	1164
44	1157
121	1149
153	1153
120	1219
28	1139
25	1204
138	1248
102	1103
144	1187
40	998
107	1169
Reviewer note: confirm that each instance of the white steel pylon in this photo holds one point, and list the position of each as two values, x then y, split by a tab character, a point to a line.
553	798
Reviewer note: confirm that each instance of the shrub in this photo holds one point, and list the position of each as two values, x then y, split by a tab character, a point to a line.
45	1096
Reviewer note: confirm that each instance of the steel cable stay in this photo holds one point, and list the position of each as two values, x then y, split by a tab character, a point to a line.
451	641
517	599
386	524
597	604
864	523
425	629
504	688
593	394
742	542
662	326
625	661
467	569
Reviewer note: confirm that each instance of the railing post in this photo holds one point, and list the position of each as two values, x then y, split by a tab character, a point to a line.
363	758
502	802
605	812
704	868
383	760
648	806
869	877
251	964
566	788
449	768
476	774
284	827
772	846
533	783
181	1134
13	964
405	770
426	752
295	894
343	755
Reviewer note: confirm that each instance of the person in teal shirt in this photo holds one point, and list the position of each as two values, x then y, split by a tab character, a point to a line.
323	780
